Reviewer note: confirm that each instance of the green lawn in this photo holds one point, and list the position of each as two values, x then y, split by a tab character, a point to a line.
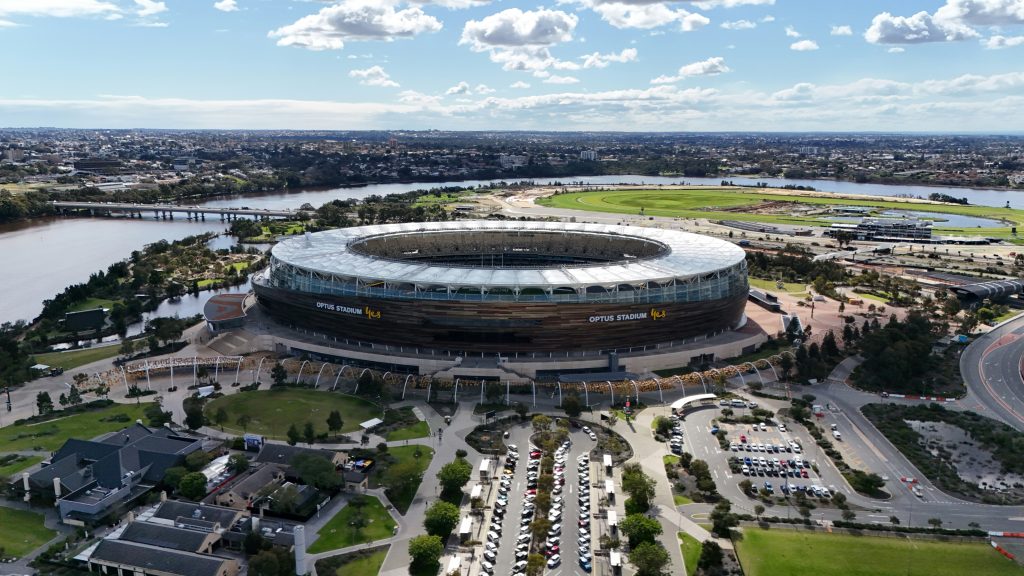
785	552
22	531
206	283
708	202
92	304
771	286
681	500
19	465
402	500
273	411
52	434
75	358
365	566
418	430
691	548
338	532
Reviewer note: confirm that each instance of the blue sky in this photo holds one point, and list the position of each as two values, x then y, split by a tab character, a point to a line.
832	65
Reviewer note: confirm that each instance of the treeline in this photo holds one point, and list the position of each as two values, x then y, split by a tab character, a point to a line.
898	356
793	264
29	204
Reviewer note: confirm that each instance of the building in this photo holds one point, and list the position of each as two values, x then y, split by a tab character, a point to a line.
174	539
99	166
512	161
283	454
588	155
472	288
89	478
886	229
241	491
224	312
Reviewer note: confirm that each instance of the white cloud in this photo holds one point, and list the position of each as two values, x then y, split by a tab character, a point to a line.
896	50
514	28
738	25
643	14
998	42
768	18
151	24
521	40
352	20
415	98
955	20
711	67
226	5
453	4
804	46
57	8
519	85
556	79
791	32
460	88
149	7
483	89
464	89
7	24
374	76
842	31
598	60
710	4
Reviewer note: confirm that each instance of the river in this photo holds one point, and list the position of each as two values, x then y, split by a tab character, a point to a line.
41	257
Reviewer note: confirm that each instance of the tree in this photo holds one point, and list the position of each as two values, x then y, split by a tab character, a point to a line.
193	486
197	460
425	550
173	476
252	543
649	558
308	433
243	420
334	421
639	529
521	409
541	423
535	565
155	415
278	374
293	435
662	425
316	471
402	476
440	519
238	463
710	557
935	523
758	510
638	485
722	519
454	475
746	486
264	564
572	405
193	408
539	527
849	515
44	404
220	417
894	520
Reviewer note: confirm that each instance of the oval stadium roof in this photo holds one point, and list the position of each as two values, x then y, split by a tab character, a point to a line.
687	255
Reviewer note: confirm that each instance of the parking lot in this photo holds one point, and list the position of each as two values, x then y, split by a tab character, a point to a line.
776	457
505	534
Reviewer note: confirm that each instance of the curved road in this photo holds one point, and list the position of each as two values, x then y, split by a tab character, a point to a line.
991	368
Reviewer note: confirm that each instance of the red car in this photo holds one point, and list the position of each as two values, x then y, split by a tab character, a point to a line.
803	474
535	454
532	491
551	551
743	438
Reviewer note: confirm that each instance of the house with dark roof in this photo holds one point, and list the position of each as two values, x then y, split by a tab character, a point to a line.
241	490
88	478
127	557
284	454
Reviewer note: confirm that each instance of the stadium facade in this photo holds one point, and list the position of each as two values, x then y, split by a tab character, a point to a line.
506	289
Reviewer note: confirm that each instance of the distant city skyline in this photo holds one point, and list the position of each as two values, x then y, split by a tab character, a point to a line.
626	65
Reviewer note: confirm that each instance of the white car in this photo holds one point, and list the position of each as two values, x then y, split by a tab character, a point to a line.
491	555
523	538
513	447
493	536
554	561
491	546
593	436
586	429
519	566
555	530
487	567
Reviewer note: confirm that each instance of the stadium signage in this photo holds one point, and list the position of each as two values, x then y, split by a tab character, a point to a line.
368	312
652	314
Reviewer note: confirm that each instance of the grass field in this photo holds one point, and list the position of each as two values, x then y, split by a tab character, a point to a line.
710	202
52	434
402	500
772	286
788	553
92	304
418	430
691	548
338	532
19	465
365	566
273	411
76	358
22	531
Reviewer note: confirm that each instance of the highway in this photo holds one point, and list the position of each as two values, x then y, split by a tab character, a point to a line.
104	207
991	368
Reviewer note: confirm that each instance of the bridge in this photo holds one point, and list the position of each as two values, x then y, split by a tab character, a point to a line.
167	211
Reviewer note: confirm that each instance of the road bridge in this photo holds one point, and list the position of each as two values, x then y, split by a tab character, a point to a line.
167	211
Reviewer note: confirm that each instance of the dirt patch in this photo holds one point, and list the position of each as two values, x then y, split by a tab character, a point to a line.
972	462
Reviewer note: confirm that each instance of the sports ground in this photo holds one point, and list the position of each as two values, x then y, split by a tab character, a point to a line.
741	204
792	553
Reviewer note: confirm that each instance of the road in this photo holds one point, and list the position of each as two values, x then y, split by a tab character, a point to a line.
991	368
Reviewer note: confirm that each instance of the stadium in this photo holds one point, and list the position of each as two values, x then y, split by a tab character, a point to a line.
526	290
